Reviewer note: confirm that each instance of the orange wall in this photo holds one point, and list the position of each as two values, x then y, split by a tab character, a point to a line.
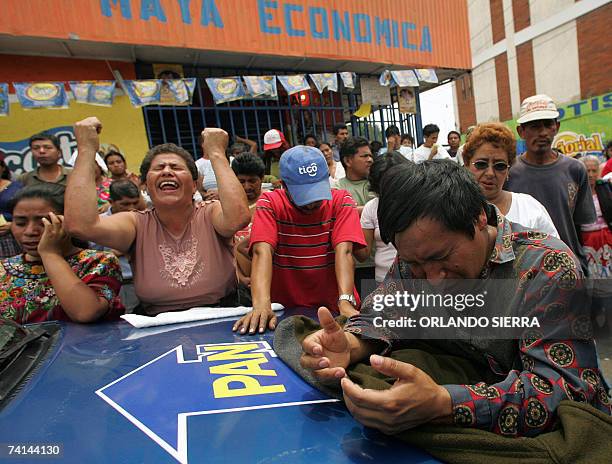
420	33
17	68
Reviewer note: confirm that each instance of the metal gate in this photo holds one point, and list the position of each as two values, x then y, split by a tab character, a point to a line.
298	115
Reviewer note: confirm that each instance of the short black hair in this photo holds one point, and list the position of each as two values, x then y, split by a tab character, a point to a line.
437	189
375	146
350	147
248	164
338	127
113	153
430	129
123	188
391	131
381	165
407	137
453	132
311	136
48	191
6	173
167	148
45	136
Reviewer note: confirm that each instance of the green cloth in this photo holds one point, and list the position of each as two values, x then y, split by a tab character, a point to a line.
359	189
583	435
275	169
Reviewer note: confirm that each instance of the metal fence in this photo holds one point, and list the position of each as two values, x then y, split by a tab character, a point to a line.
298	115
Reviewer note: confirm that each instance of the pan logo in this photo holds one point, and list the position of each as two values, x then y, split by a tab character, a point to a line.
238	369
220	378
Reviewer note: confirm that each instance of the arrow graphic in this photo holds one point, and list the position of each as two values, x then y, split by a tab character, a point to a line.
160	395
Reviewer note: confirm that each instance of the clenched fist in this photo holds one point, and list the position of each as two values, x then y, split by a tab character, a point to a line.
214	142
87	133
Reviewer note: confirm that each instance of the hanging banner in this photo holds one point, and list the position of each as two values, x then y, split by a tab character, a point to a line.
225	89
4	100
99	93
407	100
385	79
144	92
372	92
348	79
405	78
324	81
427	75
261	87
41	94
294	84
177	92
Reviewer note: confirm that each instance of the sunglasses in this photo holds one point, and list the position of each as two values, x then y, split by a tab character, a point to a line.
499	166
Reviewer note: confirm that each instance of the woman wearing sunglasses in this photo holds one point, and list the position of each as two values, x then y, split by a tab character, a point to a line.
488	154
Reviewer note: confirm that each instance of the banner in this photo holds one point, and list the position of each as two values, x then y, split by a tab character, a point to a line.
100	93
427	75
348	79
41	94
405	78
144	92
177	92
407	100
294	84
261	87
324	81
385	79
4	100
123	126
225	89
372	92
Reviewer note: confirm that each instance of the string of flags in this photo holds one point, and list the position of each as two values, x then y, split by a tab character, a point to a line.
180	91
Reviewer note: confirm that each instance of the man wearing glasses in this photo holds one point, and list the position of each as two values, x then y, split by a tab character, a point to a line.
558	182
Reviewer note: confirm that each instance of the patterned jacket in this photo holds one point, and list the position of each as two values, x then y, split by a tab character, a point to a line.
534	373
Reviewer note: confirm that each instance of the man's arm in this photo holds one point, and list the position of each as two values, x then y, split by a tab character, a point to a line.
345	275
364	253
81	214
262	316
232	213
251	143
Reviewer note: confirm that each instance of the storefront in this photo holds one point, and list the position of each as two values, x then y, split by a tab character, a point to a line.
113	39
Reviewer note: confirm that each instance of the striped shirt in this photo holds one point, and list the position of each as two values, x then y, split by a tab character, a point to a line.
304	258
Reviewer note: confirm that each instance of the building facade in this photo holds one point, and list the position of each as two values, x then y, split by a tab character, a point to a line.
525	47
62	41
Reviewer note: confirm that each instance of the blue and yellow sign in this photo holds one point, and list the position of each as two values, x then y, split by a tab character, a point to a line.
159	396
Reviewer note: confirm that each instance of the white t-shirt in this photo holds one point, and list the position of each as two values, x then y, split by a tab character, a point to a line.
206	171
529	212
385	253
422	154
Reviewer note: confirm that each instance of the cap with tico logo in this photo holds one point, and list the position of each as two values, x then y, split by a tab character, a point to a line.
304	171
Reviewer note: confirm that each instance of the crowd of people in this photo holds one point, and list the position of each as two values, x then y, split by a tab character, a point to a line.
328	223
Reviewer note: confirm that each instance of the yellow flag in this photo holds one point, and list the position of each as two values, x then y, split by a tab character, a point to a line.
364	110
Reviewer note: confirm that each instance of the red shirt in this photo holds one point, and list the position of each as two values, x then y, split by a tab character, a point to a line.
607	168
303	272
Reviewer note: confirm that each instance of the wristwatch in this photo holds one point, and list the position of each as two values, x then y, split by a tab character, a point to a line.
347	297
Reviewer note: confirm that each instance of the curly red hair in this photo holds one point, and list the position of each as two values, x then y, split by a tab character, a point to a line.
495	133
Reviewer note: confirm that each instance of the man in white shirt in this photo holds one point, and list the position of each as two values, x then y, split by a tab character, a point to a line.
394	143
430	150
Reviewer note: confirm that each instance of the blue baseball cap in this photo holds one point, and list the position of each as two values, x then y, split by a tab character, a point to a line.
304	171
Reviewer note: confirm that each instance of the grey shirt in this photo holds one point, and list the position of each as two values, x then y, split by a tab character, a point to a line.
563	188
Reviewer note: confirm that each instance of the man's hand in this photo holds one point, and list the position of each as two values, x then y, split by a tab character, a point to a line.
258	318
87	134
327	352
434	151
5	228
214	142
347	309
414	398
